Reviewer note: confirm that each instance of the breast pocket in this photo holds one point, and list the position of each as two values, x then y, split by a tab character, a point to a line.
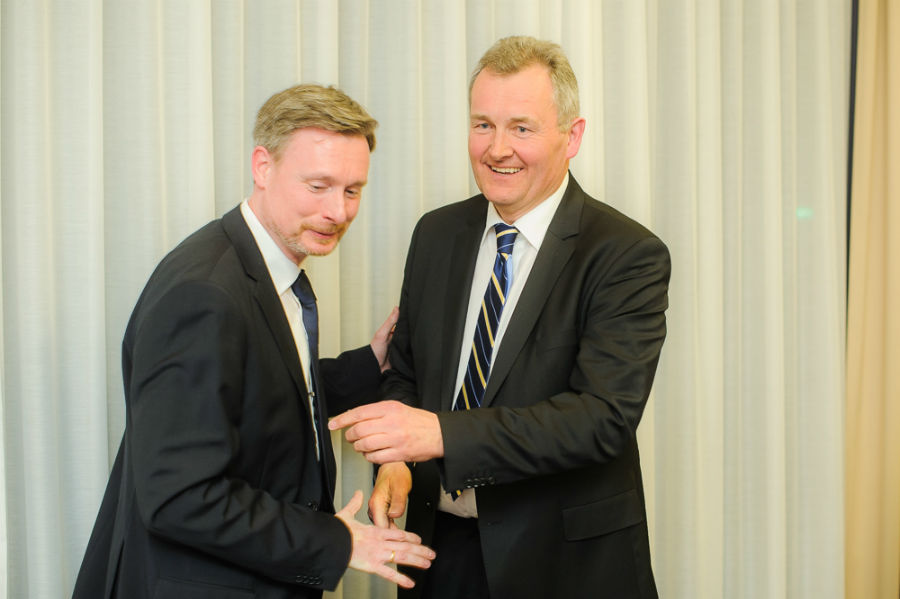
555	340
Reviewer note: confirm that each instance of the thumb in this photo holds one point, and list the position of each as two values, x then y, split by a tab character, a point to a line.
387	327
349	510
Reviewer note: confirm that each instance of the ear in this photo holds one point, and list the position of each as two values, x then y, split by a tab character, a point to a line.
261	162
576	131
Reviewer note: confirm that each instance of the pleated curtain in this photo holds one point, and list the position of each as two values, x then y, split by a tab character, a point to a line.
721	125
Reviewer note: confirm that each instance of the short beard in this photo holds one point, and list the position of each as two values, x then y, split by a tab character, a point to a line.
300	249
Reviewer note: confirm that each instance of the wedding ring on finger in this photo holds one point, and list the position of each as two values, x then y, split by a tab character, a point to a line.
393	555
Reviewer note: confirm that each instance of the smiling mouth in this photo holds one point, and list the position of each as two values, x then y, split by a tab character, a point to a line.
505	171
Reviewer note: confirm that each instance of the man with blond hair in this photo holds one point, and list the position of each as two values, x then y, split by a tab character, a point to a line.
531	322
224	482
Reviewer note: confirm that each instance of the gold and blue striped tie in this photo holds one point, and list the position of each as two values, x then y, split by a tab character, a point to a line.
479	366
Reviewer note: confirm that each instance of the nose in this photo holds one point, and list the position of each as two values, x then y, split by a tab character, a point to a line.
500	147
334	208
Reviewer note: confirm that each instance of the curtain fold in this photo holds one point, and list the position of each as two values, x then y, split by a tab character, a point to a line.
722	126
873	336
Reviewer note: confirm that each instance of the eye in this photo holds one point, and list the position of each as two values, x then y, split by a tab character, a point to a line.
521	129
481	126
316	187
352	193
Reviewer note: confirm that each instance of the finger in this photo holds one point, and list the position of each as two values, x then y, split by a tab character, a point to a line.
378	510
351	417
353	505
348	418
414	560
370	442
386	328
395	536
380	518
417	556
366	429
351	434
381	456
397	505
394	576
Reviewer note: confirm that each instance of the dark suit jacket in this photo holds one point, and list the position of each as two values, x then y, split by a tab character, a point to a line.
217	491
552	452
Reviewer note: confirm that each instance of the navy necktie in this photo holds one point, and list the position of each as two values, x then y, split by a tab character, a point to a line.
303	290
479	366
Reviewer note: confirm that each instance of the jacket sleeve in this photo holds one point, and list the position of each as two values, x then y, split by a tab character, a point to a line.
351	379
185	385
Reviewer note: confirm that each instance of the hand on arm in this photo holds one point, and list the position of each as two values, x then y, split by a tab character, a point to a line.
388	500
389	431
382	339
374	548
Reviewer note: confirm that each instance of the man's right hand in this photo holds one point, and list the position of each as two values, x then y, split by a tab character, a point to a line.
375	548
388	500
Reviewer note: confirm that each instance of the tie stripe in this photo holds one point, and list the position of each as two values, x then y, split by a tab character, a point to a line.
479	365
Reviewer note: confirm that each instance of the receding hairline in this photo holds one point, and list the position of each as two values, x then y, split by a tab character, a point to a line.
513	54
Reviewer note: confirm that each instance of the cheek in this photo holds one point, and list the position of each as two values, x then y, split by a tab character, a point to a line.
351	208
477	146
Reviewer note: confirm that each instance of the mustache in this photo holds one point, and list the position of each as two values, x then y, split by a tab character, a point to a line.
323	229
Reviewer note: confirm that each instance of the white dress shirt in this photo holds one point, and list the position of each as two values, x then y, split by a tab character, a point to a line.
283	272
532	227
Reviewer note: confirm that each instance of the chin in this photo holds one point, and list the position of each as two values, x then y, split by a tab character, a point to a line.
500	199
319	250
301	250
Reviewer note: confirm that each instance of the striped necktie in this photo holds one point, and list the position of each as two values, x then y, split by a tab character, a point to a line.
479	366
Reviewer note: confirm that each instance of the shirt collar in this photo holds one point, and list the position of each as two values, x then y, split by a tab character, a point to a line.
532	225
282	269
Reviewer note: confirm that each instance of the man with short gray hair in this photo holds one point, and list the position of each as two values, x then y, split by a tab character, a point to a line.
531	321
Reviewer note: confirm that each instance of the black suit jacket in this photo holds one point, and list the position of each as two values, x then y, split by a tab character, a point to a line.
216	490
552	452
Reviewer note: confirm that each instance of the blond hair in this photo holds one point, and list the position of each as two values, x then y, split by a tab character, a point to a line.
310	105
512	54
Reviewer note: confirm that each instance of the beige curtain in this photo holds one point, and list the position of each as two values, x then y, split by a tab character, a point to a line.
873	337
720	124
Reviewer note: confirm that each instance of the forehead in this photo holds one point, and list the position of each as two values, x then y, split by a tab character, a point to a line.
328	153
527	92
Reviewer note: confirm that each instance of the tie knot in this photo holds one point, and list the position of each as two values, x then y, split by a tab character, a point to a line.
506	237
303	290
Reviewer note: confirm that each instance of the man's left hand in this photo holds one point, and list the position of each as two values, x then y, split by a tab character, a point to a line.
389	431
382	339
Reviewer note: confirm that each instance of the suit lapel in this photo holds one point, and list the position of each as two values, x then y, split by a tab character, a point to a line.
273	313
555	251
464	251
264	292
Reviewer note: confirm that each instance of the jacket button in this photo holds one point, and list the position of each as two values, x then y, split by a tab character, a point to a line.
313	505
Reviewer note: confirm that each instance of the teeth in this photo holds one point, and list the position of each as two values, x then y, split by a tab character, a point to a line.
505	171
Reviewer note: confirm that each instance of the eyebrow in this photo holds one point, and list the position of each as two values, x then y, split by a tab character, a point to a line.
515	119
330	180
